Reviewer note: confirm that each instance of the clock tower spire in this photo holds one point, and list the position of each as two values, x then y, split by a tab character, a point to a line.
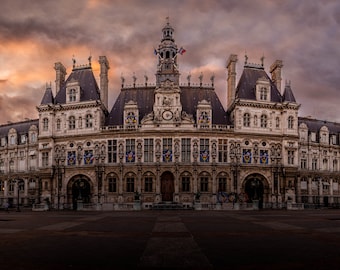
167	51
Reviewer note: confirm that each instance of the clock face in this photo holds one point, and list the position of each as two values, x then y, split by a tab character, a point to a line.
167	115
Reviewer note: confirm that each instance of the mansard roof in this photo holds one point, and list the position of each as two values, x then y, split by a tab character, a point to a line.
315	125
246	88
21	127
144	97
87	82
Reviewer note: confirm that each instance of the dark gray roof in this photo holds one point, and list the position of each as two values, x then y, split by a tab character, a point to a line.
288	94
315	125
144	97
246	88
48	97
88	85
20	127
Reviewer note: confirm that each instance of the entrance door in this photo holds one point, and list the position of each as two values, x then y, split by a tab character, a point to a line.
254	189
167	186
81	191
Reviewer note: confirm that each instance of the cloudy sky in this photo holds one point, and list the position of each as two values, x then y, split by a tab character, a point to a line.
35	34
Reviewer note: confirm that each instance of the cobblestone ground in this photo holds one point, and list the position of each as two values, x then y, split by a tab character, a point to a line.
170	239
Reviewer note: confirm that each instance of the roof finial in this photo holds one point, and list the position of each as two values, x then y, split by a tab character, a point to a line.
167	20
90	57
262	60
245	58
74	61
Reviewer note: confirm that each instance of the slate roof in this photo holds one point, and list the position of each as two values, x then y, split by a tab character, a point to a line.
315	125
88	85
288	94
20	127
48	97
144	97
246	88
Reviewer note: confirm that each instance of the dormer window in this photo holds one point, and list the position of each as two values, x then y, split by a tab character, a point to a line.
72	95
263	89
263	93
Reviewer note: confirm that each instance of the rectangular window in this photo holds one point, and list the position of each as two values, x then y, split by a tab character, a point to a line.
303	163
112	151
204	150
130	154
148	184
148	150
44	159
222	150
186	149
314	164
167	150
290	157
204	184
185	184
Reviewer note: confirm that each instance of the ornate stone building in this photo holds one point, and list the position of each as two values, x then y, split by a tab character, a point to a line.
170	144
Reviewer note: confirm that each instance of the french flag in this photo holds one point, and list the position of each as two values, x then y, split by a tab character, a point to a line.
181	50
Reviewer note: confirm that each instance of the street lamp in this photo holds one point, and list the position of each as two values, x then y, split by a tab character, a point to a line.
60	169
20	184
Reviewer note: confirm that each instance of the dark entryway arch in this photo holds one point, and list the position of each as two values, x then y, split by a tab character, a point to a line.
167	186
255	188
79	190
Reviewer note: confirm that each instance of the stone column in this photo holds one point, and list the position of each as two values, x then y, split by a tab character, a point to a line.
298	190
310	198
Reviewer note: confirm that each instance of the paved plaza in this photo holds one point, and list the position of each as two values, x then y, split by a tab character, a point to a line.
264	239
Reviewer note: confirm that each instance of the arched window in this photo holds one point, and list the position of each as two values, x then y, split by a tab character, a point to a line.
12	139
222	184
112	182
88	121
45	124
72	122
246	120
72	95
263	121
185	184
204	184
290	122
148	180
130	184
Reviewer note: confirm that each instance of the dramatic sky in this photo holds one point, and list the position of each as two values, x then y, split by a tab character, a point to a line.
304	34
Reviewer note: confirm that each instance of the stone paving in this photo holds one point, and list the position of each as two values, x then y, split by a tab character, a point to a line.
170	239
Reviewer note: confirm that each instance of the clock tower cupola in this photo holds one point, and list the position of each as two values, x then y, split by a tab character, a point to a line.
167	51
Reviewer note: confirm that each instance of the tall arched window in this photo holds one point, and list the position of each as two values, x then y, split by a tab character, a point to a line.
246	120
263	121
72	122
277	120
88	121
290	122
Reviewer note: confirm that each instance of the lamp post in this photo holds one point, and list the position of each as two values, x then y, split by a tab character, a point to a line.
236	155
19	185
60	169
100	169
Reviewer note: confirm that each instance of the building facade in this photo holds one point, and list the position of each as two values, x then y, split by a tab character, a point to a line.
169	143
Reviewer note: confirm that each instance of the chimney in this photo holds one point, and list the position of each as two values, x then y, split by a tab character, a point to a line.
275	71
231	67
60	76
104	80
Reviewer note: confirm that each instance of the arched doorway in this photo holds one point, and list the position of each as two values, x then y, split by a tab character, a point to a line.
79	190
255	189
167	186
